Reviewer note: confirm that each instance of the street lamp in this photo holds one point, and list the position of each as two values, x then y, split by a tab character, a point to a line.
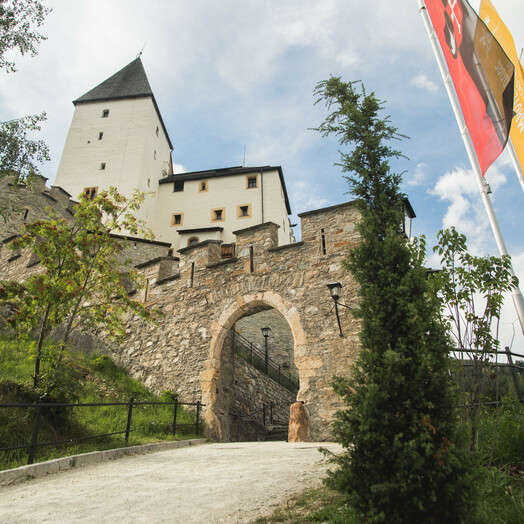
334	291
265	332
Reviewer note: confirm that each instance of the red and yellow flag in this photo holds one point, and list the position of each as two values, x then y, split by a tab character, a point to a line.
481	72
501	33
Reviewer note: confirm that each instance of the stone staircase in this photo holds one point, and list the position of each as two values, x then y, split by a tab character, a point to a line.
276	433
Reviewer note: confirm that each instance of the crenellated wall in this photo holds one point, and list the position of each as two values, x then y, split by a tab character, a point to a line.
205	299
202	298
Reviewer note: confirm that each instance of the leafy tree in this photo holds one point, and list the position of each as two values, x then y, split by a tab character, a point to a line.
472	291
83	278
404	462
19	155
18	19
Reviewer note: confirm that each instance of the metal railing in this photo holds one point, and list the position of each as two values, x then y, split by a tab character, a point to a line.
495	366
251	353
40	408
266	410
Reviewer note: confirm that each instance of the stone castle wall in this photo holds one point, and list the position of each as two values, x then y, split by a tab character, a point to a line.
202	298
34	202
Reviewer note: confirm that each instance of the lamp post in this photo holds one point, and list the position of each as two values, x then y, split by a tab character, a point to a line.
265	332
334	291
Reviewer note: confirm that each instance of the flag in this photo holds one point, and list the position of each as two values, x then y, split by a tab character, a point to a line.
481	73
501	33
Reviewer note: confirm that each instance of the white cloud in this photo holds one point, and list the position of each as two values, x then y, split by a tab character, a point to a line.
178	168
305	197
423	82
465	208
420	176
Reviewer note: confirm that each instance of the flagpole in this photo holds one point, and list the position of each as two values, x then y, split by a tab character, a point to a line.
516	163
518	300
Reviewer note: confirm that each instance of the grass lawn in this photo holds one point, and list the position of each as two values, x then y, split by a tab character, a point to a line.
85	379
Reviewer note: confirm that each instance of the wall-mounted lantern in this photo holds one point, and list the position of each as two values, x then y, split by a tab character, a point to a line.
265	332
334	290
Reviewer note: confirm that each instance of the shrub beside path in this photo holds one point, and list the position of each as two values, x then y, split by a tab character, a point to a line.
211	483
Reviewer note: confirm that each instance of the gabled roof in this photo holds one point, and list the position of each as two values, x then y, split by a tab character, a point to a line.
129	82
228	171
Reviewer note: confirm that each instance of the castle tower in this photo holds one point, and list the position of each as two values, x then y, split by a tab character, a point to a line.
117	138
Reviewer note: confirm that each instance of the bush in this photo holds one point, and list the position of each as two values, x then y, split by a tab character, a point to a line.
501	439
168	396
104	363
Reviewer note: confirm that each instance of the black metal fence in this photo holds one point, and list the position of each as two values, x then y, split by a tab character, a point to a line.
267	414
41	407
257	358
488	361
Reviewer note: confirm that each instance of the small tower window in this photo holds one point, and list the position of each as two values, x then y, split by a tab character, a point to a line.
154	155
102	166
90	192
157	130
177	219
244	211
100	135
202	186
178	186
105	113
218	215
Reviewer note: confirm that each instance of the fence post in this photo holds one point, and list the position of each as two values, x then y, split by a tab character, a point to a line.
514	375
197	417
34	439
129	415
174	416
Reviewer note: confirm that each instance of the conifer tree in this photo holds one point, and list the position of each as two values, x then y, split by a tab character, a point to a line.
403	462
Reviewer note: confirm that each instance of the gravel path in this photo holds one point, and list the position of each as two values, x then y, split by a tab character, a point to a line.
235	482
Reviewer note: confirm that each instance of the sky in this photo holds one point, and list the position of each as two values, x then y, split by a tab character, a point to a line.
234	82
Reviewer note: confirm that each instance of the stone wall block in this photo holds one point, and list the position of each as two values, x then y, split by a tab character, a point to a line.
167	268
261	237
62	197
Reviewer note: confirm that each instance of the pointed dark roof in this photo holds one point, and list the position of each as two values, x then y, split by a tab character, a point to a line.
129	82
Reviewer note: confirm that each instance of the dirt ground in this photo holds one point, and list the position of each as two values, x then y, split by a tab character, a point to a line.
211	483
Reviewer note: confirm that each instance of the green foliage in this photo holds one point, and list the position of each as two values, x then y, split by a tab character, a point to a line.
105	364
18	20
500	499
20	155
84	279
405	461
168	396
501	434
96	379
471	291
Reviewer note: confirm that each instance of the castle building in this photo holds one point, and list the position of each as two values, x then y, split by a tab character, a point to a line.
237	267
118	138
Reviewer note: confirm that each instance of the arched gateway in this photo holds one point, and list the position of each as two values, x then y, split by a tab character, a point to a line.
240	307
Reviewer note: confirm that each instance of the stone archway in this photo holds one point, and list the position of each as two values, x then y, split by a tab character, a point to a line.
244	304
